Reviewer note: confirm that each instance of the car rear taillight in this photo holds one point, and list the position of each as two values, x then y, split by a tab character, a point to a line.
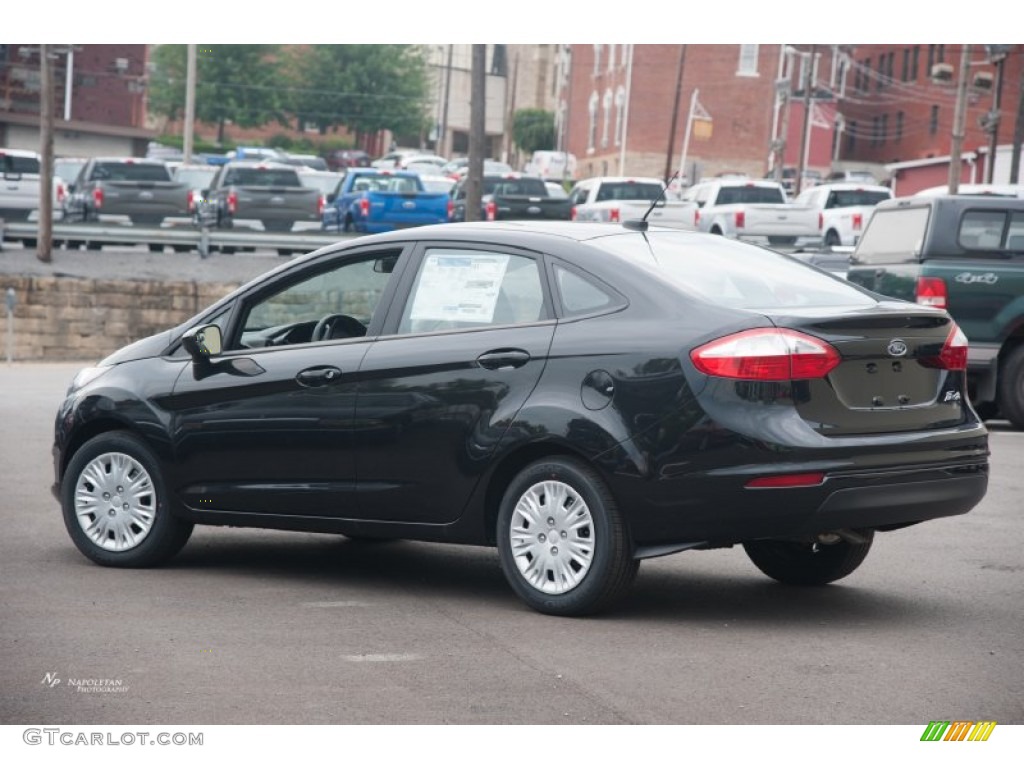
572	213
190	201
491	210
821	220
953	356
741	219
97	197
451	210
364	208
766	354
232	202
931	291
802	480
321	203
62	192
613	215
696	217
858	220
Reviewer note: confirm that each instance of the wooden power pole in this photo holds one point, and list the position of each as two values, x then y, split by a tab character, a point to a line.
47	93
477	132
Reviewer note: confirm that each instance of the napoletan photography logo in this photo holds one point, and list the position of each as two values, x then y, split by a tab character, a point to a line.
85	684
958	730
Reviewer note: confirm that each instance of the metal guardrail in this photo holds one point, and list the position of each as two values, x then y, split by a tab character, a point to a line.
204	240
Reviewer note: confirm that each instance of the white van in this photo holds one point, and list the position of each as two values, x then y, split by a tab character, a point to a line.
556	166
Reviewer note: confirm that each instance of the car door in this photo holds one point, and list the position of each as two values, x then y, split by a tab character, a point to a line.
440	389
267	427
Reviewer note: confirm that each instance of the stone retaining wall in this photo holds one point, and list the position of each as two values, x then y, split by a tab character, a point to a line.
62	318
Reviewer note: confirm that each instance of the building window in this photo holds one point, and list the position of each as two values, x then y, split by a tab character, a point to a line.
748	61
611	58
858	78
620	110
905	72
851	136
597	59
899	127
933	121
884	134
499	61
606	106
592	130
940	54
867	74
915	55
931	58
876	128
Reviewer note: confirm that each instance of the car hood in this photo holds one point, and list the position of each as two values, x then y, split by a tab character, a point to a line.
151	346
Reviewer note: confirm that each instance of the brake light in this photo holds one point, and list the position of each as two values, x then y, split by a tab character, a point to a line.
364	207
931	291
190	203
572	213
613	215
61	193
232	202
821	220
321	203
97	197
696	216
858	220
803	480
953	356
491	210
451	210
766	354
741	219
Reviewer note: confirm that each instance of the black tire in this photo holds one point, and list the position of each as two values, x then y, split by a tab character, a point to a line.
92	245
832	239
227	249
1011	387
716	231
278	226
285	251
578	492
182	248
348	225
154	248
104	459
807	564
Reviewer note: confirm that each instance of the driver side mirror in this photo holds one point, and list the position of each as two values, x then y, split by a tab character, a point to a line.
203	342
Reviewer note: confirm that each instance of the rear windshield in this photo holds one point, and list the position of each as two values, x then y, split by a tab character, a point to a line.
16	164
849	197
515	187
749	194
385	182
628	191
893	236
197	178
262	177
734	274
115	171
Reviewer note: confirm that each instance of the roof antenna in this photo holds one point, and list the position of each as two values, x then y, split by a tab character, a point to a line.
641	225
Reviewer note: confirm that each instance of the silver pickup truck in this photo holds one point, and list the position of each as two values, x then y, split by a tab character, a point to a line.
756	210
19	190
109	188
259	192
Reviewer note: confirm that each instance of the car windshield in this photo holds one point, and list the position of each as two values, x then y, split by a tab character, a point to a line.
127	171
628	190
732	273
196	178
67	169
323	182
749	193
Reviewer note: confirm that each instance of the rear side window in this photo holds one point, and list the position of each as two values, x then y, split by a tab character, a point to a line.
581	296
991	231
17	164
130	172
893	236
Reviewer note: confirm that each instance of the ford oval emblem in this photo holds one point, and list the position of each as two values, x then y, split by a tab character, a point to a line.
897	348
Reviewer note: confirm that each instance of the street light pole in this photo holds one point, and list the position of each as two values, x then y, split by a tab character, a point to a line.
959	120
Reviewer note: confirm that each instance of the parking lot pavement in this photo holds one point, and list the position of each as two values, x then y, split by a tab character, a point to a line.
138	263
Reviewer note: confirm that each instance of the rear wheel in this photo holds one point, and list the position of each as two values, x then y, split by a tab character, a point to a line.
563	544
154	248
809	563
116	505
832	239
1011	387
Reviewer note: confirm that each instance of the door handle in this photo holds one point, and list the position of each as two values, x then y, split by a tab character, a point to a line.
503	358
318	377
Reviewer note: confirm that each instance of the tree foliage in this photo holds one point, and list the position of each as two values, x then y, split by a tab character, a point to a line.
236	83
533	129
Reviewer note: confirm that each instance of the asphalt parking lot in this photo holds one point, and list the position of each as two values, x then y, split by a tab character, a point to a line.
267	627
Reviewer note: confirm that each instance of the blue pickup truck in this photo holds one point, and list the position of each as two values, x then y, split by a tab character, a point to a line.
371	200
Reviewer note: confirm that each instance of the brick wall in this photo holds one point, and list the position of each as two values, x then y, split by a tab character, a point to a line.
81	319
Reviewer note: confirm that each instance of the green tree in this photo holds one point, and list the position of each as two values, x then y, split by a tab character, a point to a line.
533	129
365	88
237	83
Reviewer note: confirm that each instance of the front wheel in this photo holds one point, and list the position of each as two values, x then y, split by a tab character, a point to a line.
1011	387
809	563
563	544
116	505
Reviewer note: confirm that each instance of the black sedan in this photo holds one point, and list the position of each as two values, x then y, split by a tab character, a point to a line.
581	396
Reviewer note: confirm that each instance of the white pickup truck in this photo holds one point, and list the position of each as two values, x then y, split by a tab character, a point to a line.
843	209
749	209
19	189
620	198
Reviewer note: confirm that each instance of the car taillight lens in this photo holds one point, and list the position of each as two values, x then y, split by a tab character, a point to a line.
802	480
696	217
613	215
364	208
821	220
858	220
953	356
766	354
491	210
572	213
232	202
97	198
931	291
451	210
741	219
190	201
321	203
61	193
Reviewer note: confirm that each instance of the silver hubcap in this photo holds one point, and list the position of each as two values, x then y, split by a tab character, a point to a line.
115	502
552	537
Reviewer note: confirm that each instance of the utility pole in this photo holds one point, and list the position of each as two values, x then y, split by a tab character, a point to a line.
786	92
510	121
625	112
444	148
805	137
190	102
997	55
47	93
675	113
1018	136
477	132
959	118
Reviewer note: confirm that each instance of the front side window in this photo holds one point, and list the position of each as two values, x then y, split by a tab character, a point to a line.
334	303
457	289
